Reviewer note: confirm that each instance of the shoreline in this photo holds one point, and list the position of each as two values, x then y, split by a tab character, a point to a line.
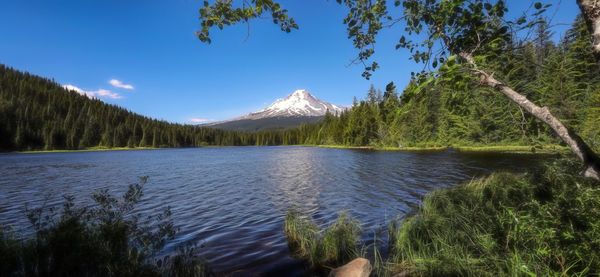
520	149
90	149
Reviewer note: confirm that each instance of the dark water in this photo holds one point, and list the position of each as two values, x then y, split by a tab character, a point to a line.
233	200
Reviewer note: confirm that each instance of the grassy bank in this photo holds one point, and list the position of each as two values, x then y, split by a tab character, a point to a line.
543	223
550	148
547	149
89	149
382	148
494	148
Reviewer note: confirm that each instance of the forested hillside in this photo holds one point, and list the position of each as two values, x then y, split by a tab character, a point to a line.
453	110
37	113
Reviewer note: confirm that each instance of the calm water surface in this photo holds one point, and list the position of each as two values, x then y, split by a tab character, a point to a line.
233	200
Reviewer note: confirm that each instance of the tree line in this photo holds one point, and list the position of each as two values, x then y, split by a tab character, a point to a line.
39	114
454	109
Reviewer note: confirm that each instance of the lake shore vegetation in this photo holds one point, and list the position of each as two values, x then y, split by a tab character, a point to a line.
104	239
506	224
336	245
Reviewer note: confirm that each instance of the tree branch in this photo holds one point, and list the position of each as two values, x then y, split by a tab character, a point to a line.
577	145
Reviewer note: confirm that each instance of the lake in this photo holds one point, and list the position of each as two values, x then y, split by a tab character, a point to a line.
231	201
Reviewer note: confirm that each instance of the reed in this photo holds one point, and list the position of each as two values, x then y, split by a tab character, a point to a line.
335	245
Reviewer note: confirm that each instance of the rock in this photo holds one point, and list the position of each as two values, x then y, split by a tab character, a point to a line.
359	267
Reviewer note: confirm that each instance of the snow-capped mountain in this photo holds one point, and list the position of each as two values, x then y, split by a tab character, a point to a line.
299	103
293	110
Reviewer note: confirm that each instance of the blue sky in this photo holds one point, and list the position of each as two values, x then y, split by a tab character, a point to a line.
159	68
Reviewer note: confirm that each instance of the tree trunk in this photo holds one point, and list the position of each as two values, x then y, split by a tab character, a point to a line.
577	145
590	9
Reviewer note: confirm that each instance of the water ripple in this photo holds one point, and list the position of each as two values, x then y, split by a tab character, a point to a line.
231	201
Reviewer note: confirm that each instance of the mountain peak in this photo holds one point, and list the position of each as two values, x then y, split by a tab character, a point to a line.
299	103
298	107
300	93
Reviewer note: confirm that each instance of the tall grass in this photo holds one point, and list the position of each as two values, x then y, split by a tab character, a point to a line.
545	223
339	243
105	239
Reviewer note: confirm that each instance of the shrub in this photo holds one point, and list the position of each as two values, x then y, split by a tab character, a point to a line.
105	239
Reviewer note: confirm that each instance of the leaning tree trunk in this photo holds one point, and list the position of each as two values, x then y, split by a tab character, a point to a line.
577	145
590	9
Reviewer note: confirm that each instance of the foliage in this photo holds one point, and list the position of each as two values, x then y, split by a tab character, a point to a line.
452	109
105	239
443	28
222	13
545	223
334	246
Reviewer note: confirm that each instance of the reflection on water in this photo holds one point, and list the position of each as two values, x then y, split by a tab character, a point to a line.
233	200
294	179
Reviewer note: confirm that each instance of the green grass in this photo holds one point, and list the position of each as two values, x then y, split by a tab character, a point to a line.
412	148
383	148
331	247
89	149
545	149
550	148
334	146
544	224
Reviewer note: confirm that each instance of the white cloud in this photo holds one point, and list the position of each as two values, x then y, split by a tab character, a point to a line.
199	120
108	93
118	84
74	88
100	93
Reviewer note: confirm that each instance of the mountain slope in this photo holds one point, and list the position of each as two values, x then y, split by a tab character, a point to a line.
297	108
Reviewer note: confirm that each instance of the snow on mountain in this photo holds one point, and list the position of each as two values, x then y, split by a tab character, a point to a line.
297	108
298	104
